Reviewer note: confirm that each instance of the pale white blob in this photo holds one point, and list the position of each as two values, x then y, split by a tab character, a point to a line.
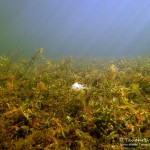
77	86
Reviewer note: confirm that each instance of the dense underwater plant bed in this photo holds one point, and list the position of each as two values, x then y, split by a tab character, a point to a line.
40	110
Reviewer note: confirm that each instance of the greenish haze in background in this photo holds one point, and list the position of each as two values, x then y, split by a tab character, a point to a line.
76	27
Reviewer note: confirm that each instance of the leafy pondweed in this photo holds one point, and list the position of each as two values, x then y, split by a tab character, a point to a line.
73	104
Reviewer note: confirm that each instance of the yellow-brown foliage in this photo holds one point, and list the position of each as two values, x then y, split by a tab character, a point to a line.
40	110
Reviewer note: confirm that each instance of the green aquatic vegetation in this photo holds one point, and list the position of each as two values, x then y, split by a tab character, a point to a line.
40	110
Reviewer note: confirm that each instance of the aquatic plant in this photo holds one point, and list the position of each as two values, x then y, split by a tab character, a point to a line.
40	110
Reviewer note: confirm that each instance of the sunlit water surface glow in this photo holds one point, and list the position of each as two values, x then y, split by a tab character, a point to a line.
75	27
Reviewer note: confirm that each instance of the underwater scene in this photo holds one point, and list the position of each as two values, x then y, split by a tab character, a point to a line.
74	103
74	75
